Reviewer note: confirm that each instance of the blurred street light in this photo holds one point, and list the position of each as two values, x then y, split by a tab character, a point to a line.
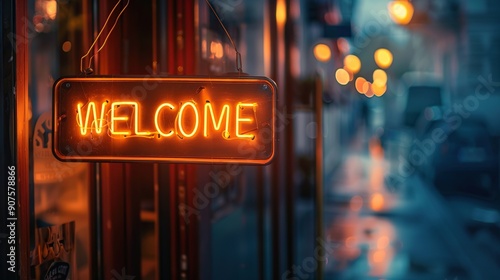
383	58
352	64
342	76
379	77
322	52
401	11
281	13
362	85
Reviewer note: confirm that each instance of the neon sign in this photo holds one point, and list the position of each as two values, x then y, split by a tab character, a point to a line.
199	120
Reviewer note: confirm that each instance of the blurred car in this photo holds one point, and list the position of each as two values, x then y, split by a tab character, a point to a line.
419	98
467	162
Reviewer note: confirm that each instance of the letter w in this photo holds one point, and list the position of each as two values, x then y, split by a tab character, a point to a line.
97	122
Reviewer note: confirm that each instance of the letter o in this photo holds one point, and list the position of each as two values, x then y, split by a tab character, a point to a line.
181	115
157	125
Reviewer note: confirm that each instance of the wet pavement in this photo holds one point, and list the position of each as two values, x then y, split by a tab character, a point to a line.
376	231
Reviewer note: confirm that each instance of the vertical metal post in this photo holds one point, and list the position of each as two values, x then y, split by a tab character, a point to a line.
319	172
22	135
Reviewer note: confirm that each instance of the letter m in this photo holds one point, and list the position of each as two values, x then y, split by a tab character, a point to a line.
217	125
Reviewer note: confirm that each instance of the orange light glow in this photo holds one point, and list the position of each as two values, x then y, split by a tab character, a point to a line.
401	11
157	114
189	120
114	118
362	86
377	202
322	52
216	49
378	256
180	116
50	9
281	12
342	76
369	93
379	77
91	108
383	58
216	123
352	64
239	119
66	46
217	126
378	90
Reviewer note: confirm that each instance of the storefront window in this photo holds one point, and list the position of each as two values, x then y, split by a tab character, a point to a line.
61	230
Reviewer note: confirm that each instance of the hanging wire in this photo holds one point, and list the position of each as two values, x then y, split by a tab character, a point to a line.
239	64
88	70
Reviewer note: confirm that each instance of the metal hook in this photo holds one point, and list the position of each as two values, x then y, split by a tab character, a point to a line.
89	70
239	64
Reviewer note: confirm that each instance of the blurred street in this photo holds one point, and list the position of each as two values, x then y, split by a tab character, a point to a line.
376	230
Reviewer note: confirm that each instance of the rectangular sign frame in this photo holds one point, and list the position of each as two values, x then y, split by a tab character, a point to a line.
164	119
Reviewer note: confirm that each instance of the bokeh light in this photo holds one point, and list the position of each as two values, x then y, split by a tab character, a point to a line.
383	58
377	202
369	93
379	77
322	52
50	8
352	63
342	76
361	85
400	11
378	90
281	12
66	46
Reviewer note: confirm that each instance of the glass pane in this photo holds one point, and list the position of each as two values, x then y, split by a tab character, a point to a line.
61	229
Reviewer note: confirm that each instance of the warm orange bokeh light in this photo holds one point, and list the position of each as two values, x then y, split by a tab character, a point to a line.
401	11
378	90
322	52
379	78
342	76
281	13
383	58
369	93
66	46
362	85
377	202
352	63
377	256
216	49
50	9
